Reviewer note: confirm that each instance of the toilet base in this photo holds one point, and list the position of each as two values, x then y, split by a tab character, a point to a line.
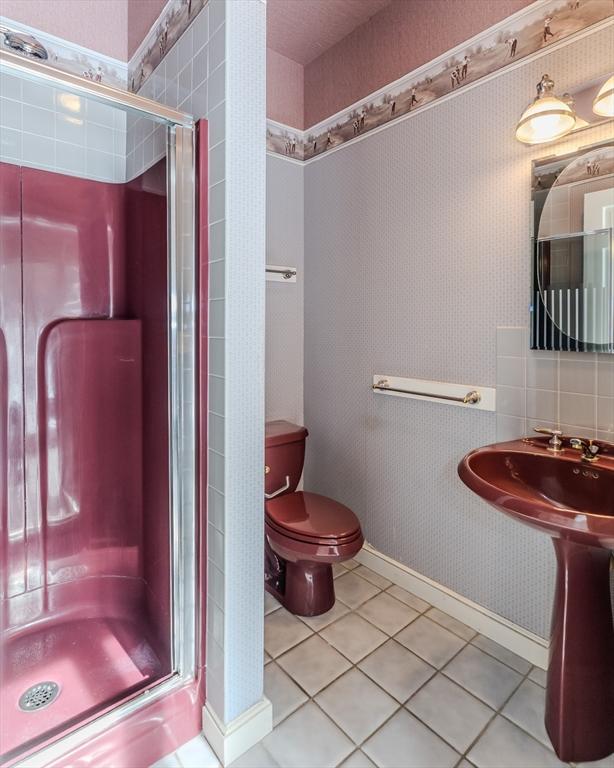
304	588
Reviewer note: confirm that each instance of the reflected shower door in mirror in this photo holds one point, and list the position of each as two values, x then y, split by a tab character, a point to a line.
572	307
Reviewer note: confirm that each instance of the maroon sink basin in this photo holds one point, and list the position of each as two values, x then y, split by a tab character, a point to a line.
557	493
571	500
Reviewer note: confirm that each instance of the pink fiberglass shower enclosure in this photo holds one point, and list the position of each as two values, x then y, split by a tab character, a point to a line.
85	579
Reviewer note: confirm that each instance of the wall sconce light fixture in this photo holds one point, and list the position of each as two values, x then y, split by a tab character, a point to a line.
548	117
604	100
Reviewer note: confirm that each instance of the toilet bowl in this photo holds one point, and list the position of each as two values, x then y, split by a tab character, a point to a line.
305	533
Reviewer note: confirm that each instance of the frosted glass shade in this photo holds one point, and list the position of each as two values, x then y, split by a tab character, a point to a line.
547	118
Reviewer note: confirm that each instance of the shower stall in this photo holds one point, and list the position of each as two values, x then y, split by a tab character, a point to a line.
100	529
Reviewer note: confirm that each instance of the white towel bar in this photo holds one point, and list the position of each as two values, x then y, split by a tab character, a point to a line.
466	396
280	274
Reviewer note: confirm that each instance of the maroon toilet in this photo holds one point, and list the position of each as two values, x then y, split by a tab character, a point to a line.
305	533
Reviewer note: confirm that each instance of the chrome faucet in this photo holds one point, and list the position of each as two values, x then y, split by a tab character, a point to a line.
555	443
589	448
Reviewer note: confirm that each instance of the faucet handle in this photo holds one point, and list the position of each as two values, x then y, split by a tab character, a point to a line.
588	447
555	443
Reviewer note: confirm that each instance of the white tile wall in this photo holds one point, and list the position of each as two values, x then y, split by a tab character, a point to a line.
45	127
572	391
245	68
180	81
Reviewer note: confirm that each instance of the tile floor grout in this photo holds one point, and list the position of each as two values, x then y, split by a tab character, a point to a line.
423	613
401	706
499	713
393	637
355	664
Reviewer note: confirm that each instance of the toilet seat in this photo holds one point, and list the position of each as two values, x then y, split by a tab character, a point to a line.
313	519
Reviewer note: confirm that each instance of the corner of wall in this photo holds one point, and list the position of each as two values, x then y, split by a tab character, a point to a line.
243	353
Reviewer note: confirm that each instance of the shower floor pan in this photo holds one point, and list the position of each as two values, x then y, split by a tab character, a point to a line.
52	678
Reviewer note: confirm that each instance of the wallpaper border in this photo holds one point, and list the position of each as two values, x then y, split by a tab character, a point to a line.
74	58
508	43
540	27
174	19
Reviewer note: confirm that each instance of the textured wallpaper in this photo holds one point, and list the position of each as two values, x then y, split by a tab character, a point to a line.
417	246
284	301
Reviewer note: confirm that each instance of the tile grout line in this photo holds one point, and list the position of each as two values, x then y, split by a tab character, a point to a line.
499	710
403	706
353	665
423	613
393	636
400	706
499	713
365	618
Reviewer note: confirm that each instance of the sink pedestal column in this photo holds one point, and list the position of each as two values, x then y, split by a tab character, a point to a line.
580	693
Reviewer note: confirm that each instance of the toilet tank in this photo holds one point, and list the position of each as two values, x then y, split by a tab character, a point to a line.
284	454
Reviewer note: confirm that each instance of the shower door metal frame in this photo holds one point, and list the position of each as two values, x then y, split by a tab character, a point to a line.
182	358
183	327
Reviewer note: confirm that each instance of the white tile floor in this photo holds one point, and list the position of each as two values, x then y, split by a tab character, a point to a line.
384	679
193	754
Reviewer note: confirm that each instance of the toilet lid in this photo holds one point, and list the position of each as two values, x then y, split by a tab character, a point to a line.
312	516
283	432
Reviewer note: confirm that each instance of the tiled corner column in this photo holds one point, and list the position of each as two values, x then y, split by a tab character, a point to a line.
216	499
236	419
216	70
245	294
571	391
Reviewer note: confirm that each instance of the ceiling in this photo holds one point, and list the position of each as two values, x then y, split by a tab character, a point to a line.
301	30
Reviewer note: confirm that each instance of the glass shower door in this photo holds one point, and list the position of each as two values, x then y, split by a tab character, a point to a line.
12	458
87	366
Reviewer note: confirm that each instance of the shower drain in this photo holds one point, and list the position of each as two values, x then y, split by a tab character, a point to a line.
39	696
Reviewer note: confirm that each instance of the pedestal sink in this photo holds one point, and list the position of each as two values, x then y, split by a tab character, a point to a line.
572	500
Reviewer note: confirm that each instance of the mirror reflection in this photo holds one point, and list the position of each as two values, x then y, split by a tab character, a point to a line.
573	279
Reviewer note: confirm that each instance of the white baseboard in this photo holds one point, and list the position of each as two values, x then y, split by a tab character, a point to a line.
229	741
522	642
